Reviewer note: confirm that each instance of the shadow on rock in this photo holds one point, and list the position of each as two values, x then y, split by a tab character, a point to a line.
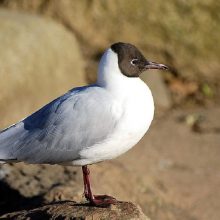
11	200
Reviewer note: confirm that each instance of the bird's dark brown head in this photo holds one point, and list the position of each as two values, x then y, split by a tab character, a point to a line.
131	61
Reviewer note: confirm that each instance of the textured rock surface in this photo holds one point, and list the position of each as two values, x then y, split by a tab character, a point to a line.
39	60
71	210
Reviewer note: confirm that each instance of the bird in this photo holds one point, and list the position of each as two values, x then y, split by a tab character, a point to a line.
88	124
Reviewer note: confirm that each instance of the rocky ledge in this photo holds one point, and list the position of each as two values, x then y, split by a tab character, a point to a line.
71	210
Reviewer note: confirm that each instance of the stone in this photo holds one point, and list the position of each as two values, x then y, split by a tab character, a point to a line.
71	210
39	60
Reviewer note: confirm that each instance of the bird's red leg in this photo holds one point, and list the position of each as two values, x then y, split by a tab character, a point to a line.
99	200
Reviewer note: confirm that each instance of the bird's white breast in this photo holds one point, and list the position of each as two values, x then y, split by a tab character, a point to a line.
136	107
132	102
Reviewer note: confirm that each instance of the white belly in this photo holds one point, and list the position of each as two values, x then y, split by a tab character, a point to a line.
134	123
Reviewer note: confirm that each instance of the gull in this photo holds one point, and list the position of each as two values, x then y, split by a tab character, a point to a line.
88	124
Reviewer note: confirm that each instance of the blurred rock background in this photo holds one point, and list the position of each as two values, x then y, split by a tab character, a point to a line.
49	46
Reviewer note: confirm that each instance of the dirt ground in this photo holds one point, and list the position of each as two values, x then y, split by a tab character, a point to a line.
173	173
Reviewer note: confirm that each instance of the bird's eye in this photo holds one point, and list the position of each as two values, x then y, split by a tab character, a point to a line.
134	62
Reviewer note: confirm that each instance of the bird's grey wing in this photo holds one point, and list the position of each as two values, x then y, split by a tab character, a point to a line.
57	132
19	135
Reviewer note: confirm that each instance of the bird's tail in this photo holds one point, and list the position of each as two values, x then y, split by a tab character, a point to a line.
8	139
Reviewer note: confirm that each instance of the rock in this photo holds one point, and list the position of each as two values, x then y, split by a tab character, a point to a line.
39	60
161	94
34	180
72	210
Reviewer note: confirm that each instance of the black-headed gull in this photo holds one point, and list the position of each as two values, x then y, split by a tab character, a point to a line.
88	124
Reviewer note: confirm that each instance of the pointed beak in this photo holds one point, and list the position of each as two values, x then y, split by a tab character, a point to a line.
153	65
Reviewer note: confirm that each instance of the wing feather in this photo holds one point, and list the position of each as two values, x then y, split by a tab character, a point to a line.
57	132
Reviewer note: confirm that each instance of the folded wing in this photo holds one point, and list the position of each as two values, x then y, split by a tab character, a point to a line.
57	133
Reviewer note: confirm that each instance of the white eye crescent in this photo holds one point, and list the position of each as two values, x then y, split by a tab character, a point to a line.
134	62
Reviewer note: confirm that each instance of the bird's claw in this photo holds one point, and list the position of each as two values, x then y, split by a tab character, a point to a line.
102	200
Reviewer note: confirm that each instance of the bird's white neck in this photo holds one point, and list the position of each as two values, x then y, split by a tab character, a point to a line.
110	76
